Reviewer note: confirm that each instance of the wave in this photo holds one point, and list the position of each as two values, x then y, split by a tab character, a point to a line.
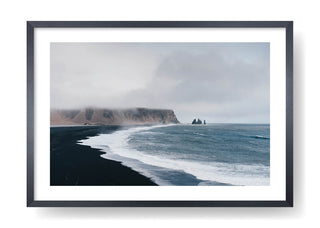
116	147
260	137
196	133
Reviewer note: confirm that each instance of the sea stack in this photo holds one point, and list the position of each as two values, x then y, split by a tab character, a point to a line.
195	121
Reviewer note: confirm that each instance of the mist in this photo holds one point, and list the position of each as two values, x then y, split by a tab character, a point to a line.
218	82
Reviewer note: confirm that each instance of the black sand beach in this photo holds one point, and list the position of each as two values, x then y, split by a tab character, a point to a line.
74	164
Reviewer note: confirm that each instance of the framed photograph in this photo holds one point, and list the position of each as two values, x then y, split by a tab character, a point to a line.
160	113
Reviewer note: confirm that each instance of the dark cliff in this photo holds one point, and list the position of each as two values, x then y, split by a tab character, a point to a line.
95	116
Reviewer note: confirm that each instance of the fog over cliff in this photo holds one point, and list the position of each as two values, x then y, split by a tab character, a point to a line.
219	82
94	116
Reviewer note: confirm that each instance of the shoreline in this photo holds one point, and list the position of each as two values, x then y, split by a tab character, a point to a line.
73	164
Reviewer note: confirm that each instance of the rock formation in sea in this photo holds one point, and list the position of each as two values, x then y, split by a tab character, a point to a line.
97	116
195	121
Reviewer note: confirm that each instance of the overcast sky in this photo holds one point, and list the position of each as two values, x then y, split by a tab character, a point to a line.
218	82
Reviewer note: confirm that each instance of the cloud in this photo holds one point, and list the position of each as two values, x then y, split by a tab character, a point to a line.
221	82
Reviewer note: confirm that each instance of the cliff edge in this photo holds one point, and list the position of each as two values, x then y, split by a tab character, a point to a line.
95	116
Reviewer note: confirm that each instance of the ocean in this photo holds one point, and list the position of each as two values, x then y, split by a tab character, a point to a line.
191	155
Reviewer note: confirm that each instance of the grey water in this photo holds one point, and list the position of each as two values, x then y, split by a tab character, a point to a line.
186	155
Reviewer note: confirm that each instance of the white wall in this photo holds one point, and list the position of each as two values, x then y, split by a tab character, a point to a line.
13	96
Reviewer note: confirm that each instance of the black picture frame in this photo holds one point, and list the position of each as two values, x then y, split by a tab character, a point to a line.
32	25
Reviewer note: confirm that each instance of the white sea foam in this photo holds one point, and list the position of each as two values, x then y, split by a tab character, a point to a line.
117	148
